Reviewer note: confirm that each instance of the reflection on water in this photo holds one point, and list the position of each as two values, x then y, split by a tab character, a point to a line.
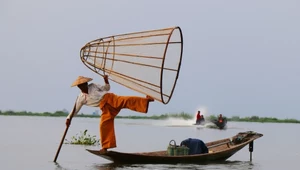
59	167
230	165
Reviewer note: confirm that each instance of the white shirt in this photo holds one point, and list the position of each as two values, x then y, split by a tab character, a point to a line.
96	93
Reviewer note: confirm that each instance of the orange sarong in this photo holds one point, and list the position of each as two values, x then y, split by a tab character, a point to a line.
111	105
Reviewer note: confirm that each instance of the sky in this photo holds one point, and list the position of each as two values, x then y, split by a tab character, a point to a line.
240	58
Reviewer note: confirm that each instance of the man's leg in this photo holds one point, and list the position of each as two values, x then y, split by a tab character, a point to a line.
107	130
111	105
138	104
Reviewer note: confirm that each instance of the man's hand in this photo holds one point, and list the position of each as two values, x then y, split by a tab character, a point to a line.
106	79
68	122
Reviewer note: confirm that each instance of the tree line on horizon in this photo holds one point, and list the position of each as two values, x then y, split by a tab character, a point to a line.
182	115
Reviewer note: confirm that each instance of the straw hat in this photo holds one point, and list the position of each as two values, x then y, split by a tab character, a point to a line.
81	80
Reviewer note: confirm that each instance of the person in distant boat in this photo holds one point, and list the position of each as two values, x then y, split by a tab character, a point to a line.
202	118
198	118
96	95
220	118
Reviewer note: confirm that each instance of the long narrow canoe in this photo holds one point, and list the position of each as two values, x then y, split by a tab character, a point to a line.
219	150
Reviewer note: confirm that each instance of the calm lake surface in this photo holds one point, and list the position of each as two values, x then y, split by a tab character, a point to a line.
31	143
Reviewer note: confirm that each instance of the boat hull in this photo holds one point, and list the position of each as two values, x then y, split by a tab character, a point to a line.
220	150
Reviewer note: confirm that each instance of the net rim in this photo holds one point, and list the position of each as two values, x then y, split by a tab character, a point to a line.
178	68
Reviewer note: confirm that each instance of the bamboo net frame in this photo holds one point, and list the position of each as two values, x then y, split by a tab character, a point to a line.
147	62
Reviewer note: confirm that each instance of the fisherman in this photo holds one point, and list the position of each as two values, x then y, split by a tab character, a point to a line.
96	95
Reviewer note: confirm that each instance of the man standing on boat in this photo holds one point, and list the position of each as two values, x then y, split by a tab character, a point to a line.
96	95
198	118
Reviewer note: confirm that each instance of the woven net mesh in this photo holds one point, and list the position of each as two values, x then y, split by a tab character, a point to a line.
147	62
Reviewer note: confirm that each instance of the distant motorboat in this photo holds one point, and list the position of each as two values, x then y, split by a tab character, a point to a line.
218	124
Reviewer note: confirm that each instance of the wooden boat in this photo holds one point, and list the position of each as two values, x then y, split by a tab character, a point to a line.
219	150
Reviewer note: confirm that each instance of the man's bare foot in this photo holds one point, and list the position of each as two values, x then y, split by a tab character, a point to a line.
151	99
103	150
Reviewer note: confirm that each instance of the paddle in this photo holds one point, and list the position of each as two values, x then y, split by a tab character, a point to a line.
65	133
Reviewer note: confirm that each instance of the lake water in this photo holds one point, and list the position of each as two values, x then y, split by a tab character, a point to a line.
30	143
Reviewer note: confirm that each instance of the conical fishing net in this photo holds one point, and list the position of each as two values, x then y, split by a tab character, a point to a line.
147	62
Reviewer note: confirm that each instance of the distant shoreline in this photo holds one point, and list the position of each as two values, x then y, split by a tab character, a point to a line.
182	115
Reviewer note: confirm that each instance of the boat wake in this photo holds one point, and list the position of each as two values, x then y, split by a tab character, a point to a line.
170	122
178	122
